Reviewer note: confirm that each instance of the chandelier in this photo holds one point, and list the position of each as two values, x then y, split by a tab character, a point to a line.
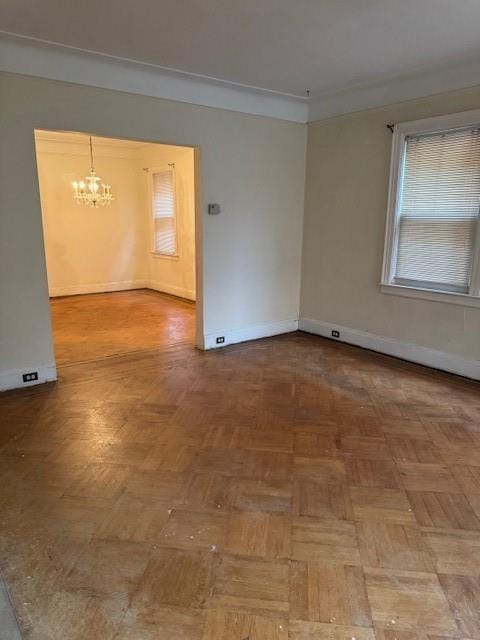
88	192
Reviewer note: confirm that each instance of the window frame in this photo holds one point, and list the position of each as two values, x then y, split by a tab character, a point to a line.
153	251
397	160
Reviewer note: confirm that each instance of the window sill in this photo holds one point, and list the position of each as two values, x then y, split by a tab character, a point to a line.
428	294
164	256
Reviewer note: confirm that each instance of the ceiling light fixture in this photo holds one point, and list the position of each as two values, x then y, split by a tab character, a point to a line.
89	193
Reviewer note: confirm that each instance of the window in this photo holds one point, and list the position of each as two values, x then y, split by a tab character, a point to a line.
163	211
433	228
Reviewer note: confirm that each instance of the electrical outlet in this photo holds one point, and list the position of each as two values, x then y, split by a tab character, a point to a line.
335	334
30	377
220	339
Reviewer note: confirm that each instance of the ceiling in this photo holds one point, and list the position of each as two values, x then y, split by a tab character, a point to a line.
287	46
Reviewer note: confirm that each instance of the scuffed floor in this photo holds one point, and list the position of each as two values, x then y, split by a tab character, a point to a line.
8	623
291	488
101	325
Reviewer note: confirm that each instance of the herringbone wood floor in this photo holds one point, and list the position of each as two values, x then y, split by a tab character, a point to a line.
290	488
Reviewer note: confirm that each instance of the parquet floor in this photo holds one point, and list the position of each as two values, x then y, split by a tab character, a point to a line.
99	325
287	489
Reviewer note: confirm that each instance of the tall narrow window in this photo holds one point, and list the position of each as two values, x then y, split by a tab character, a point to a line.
435	211
164	217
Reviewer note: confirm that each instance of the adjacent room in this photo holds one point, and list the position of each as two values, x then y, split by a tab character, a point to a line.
240	320
119	246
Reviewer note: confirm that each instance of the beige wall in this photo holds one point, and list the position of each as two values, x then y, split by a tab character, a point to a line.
345	208
91	250
110	248
173	275
253	166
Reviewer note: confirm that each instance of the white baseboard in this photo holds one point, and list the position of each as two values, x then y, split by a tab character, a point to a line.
124	285
12	379
97	287
249	333
180	292
391	347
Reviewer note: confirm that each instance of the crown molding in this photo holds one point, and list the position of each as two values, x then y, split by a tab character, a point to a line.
33	57
73	137
76	144
420	84
69	148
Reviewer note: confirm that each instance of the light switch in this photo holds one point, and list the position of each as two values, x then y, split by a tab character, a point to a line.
213	209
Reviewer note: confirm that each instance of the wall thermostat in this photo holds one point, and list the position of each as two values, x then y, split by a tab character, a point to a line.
213	209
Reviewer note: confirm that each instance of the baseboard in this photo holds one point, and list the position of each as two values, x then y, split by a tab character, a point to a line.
249	333
13	379
124	285
180	292
97	287
391	347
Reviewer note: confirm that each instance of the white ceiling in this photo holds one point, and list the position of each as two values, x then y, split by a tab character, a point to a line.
281	45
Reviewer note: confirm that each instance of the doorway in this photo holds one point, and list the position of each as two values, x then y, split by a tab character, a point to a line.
119	233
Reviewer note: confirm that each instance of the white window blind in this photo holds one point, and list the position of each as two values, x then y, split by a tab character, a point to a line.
438	210
165	233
